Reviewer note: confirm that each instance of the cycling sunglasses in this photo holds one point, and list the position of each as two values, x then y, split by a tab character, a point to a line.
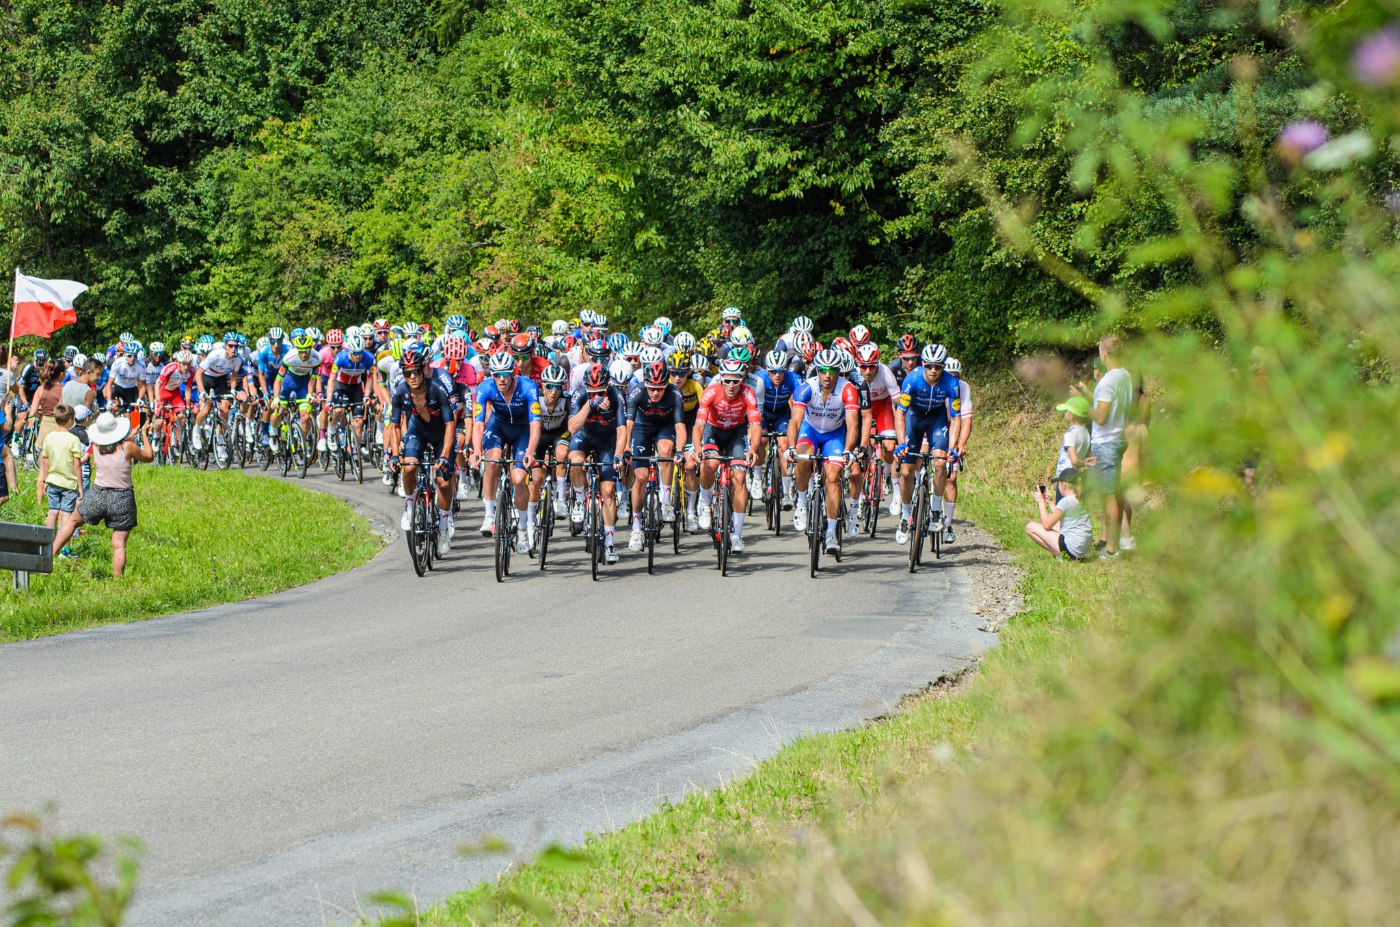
828	370
731	381
503	375
868	366
933	366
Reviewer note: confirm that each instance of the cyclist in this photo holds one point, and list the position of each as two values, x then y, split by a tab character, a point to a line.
173	377
908	350
430	429
788	342
928	411
682	372
268	363
527	364
554	437
777	413
597	425
348	371
217	376
513	404
883	389
727	406
846	350
128	384
295	382
598	351
950	493
825	418
655	427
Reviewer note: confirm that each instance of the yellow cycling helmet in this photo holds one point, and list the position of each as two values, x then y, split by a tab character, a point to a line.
575	323
396	348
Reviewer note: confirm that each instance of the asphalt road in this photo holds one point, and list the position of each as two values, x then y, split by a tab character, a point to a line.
283	757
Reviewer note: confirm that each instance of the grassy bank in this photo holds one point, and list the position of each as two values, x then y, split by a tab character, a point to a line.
203	539
710	857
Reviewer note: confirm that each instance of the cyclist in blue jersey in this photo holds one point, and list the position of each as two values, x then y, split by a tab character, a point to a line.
928	412
778	391
430	429
268	363
598	426
512	405
826	414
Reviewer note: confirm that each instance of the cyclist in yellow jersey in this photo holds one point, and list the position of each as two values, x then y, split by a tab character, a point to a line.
682	371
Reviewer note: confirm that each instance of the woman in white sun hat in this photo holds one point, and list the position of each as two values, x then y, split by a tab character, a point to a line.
111	500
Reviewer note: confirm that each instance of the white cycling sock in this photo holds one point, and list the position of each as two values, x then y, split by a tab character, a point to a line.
908	509
690	501
948	512
938	509
739	523
801	498
787	486
636	523
559	487
490	506
666	494
851	508
608	535
530	516
831	527
408	505
444	516
706	495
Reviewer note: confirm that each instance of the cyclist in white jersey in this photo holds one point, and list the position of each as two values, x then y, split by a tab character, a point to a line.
217	375
950	492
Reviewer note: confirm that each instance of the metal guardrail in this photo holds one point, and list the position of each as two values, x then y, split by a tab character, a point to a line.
25	549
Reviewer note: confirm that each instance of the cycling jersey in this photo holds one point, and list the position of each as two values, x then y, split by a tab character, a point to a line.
437	404
964	398
351	368
940	400
690	395
299	367
670	410
759	385
883	385
172	377
126	374
826	415
724	413
556	418
522	407
776	398
219	364
269	359
29	379
598	418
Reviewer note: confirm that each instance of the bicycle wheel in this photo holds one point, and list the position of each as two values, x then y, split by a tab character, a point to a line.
680	517
238	451
325	459
840	532
726	527
816	511
874	498
418	536
502	541
356	466
544	519
935	540
916	537
651	523
596	532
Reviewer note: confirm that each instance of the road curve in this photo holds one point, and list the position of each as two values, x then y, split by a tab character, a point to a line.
284	756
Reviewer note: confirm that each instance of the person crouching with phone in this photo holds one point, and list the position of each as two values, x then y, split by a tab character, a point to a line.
1064	525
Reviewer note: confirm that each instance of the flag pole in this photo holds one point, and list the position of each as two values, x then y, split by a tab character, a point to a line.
10	351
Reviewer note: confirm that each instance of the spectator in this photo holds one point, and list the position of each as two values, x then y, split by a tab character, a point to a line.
1074	446
79	430
79	390
47	398
60	460
1111	398
112	499
1134	458
7	427
1064	525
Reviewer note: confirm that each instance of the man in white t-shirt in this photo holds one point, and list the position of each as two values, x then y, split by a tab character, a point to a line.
1110	401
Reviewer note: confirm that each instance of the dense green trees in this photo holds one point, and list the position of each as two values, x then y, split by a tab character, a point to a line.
211	163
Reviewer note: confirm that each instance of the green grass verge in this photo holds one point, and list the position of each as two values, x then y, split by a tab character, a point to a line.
203	539
704	859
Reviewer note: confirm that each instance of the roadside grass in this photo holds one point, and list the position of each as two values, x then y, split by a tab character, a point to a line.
709	857
204	538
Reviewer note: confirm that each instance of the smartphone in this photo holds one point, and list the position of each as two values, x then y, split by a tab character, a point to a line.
1041	487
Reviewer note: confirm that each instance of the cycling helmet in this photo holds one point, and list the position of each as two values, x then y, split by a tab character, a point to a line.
396	331
264	342
554	375
335	337
600	320
868	353
652	335
831	359
315	333
906	346
355	342
633	349
586	317
848	361
654	375
596	379
40	356
680	364
522	345
776	361
664	324
729	367
491	332
382	325
502	363
454	347
843	344
414	357
298	332
617	341
860	335
184	357
202	349
559	327
742	354
953	366
157	349
275	335
228	337
741	335
649	354
187	344
599	348
124	337
396	348
934	354
206	339
685	341
457	320
513	325
242	340
810	349
621	370
534	330
303	342
802	324
731	313
70	352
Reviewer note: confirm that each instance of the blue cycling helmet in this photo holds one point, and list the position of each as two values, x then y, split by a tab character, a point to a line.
243	340
230	336
297	333
617	341
206	339
457	321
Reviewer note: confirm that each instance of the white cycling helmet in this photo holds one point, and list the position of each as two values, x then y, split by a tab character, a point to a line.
664	324
953	366
934	354
502	363
587	316
263	342
652	334
354	341
685	341
802	324
776	360
650	354
620	370
559	327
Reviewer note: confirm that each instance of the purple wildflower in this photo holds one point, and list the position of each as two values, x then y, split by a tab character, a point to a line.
1303	136
1376	61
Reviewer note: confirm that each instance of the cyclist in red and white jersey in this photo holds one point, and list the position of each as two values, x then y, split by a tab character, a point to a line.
729	420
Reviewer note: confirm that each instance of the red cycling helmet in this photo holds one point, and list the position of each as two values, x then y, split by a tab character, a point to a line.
492	332
860	335
413	359
514	325
907	346
597	379
335	337
811	349
522	345
867	354
655	375
844	344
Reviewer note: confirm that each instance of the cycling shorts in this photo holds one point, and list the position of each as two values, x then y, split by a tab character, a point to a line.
549	437
216	386
690	424
173	397
726	442
882	411
126	394
421	442
292	392
930	428
500	434
645	438
348	394
826	443
601	443
777	421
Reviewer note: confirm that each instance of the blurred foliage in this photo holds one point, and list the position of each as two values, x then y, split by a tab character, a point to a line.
57	881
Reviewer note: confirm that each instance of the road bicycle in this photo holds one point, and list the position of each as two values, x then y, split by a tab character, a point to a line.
423	526
816	510
722	512
295	448
172	439
923	519
652	525
872	494
592	527
346	450
26	443
544	518
773	473
507	517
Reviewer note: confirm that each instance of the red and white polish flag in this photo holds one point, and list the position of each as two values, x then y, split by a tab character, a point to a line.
41	306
